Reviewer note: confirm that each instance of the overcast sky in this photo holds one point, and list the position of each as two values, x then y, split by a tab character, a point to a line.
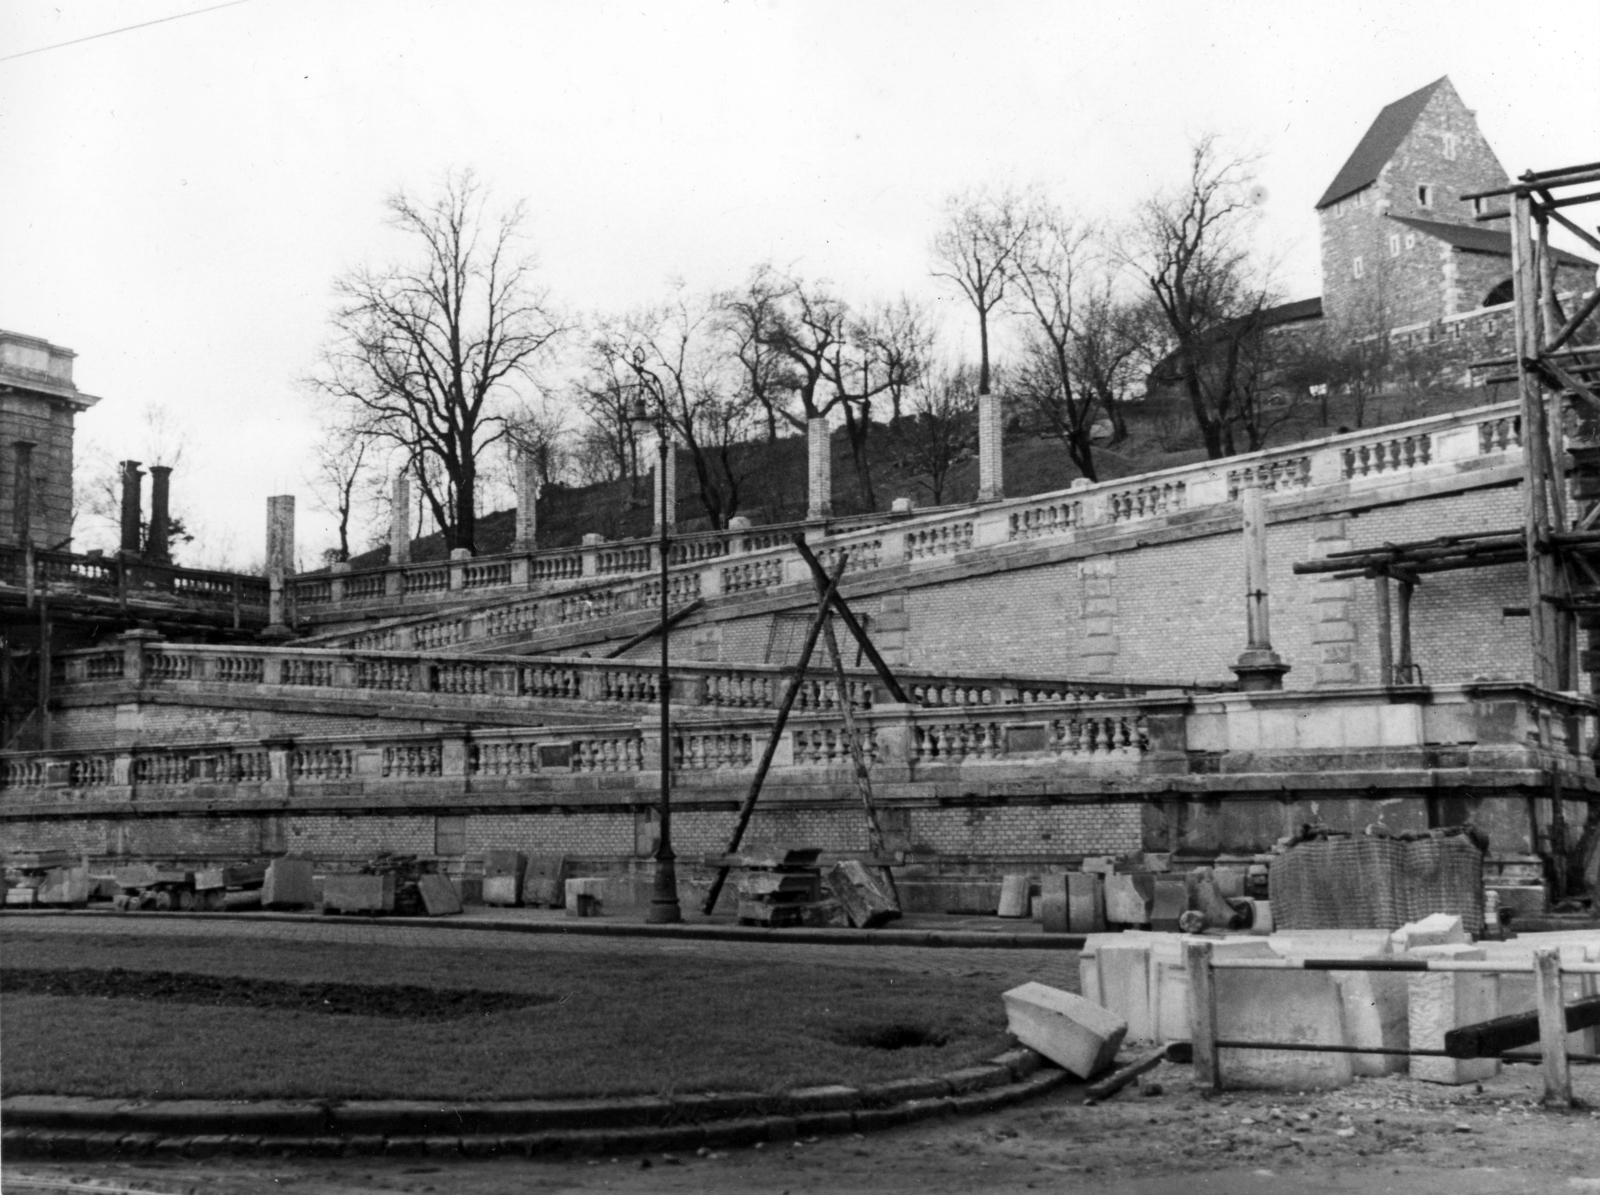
176	199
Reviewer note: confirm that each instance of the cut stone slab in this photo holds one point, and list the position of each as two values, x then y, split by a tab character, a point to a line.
1014	896
139	875
1375	1002
503	890
1261	917
1170	900
65	886
1124	983
439	896
1440	929
210	879
1438	1002
1169	980
1129	899
1055	902
868	901
543	883
288	884
1086	903
1298	1007
1098	865
356	893
1074	1033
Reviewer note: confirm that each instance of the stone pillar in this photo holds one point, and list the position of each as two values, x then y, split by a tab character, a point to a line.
132	501
527	504
819	469
156	546
991	481
280	535
22	492
665	495
400	520
1259	667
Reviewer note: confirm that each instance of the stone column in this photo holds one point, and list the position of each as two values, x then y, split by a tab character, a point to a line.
1259	667
665	494
991	481
280	535
819	469
132	501
156	547
527	504
22	492
400	520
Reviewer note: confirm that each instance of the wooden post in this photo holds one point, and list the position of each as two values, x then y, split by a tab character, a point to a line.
1385	645
1203	1014
875	841
789	695
1552	1027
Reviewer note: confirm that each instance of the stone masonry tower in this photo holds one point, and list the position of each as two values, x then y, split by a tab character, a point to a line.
1385	260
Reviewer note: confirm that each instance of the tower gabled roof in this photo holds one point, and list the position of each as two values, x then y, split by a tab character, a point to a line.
1378	146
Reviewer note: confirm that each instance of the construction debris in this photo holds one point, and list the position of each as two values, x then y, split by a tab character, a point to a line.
868	899
782	889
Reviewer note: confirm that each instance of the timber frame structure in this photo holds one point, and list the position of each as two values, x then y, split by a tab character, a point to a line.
1556	367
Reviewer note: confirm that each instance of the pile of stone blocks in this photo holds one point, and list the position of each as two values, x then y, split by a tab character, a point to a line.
55	879
1142	977
784	888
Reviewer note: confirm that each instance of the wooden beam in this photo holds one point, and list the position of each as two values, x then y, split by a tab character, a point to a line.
1385	644
1583	311
655	629
1490	1039
854	627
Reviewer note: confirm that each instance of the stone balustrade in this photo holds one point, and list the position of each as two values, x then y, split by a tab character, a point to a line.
621	578
141	661
1494	736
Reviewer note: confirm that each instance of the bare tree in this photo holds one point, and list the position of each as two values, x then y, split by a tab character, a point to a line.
884	355
745	320
940	430
426	355
338	462
1046	276
608	448
1190	248
975	248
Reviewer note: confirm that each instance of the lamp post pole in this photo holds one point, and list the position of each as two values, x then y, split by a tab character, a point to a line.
664	907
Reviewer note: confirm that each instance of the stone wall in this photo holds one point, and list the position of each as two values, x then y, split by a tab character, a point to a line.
49	426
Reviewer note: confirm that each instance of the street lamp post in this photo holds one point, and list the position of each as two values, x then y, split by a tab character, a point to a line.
664	907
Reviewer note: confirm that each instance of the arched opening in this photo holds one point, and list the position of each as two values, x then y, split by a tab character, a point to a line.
1504	292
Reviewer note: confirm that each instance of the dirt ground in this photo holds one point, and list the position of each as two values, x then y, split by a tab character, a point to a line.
1390	1135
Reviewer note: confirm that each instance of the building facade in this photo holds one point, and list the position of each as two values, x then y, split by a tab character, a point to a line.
38	405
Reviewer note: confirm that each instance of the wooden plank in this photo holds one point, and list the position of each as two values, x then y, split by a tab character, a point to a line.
1203	1014
1552	1027
1117	1080
853	626
1490	1039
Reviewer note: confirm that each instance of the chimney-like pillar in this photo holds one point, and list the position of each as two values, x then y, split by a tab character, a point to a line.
666	494
400	520
527	503
22	491
1259	667
991	474
132	502
280	535
156	545
819	469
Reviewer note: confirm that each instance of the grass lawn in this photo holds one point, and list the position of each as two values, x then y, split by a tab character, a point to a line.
612	1021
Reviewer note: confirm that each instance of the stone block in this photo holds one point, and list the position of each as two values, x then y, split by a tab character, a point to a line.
1229	882
1054	903
1261	914
1296	1007
1375	1002
505	863
1014	896
1170	900
866	894
1129	899
288	884
544	879
502	890
1438	1002
65	886
210	879
584	896
1076	1034
1440	929
1086	903
1169	980
358	894
1124	985
1098	865
139	875
439	897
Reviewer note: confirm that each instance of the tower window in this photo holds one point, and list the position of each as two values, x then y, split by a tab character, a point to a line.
1358	268
1452	143
1394	244
1479	206
1425	195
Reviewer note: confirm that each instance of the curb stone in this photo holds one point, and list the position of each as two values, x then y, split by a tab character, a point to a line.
41	1128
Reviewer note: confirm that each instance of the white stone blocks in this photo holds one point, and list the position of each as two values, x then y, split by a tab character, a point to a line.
358	894
1440	929
1298	1007
1129	899
1014	896
1086	903
1439	1001
288	884
1054	902
1075	1033
1375	1002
